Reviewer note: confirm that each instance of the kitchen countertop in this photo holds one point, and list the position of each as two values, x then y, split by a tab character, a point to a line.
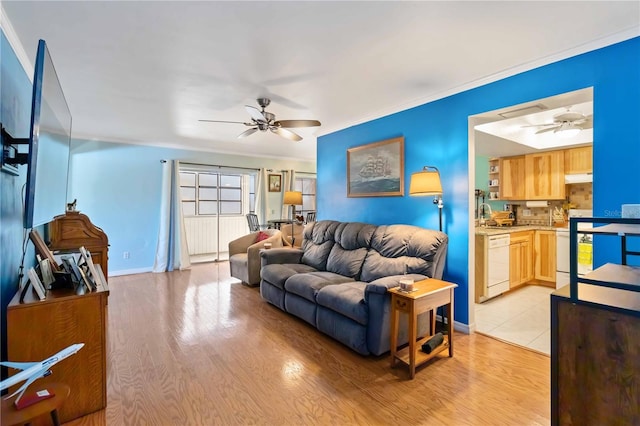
497	230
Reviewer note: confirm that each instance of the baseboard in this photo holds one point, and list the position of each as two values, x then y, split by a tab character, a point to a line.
458	326
130	271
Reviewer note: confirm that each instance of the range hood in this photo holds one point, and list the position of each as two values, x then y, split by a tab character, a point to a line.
578	178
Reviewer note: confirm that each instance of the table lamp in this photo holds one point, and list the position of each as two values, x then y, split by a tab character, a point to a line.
427	182
293	199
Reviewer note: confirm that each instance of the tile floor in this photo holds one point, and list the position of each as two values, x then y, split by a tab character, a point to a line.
521	317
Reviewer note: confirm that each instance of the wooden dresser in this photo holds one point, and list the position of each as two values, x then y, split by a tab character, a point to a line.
70	231
38	329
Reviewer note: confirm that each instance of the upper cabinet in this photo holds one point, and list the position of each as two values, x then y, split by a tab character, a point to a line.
578	160
544	176
512	178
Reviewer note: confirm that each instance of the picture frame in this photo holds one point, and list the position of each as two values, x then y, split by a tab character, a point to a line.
376	169
37	284
275	183
43	250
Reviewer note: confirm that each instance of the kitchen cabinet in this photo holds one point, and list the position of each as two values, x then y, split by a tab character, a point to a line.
520	258
578	160
545	255
512	178
544	176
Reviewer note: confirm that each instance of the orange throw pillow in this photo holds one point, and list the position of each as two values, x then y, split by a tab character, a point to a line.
261	236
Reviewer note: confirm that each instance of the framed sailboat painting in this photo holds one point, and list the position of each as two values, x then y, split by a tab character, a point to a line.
376	169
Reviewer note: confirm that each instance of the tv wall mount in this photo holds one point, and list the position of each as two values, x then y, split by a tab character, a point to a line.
11	158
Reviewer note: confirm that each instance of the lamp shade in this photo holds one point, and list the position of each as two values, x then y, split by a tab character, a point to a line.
426	182
292	198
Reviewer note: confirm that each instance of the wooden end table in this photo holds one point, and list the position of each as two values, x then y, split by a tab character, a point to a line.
427	296
11	416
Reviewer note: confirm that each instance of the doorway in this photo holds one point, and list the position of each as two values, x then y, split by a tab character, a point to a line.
520	315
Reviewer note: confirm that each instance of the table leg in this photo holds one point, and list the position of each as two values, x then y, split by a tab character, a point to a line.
394	331
450	324
413	335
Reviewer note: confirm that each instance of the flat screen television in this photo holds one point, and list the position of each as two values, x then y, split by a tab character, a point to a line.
49	145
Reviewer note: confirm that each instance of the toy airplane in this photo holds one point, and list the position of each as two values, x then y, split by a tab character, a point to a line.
32	371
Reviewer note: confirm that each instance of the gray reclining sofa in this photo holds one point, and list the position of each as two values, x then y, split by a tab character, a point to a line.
338	280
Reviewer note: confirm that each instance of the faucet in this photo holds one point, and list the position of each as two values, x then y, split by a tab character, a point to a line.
481	221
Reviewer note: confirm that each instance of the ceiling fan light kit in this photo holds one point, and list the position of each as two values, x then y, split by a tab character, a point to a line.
566	125
263	121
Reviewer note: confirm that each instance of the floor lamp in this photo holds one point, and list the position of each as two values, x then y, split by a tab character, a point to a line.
427	182
293	199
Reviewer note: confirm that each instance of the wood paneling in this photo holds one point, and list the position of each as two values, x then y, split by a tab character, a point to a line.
196	347
544	176
596	362
521	258
578	160
512	178
545	255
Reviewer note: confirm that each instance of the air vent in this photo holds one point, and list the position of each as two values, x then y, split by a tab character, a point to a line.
523	111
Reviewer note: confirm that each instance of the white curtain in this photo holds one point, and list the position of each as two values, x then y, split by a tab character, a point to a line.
172	251
262	199
288	185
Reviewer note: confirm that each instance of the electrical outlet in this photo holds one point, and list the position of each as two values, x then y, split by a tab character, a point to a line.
125	255
526	212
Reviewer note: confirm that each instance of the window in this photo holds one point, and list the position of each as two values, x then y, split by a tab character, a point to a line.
306	185
205	193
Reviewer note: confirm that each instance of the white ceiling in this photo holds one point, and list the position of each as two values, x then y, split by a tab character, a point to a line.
145	72
512	130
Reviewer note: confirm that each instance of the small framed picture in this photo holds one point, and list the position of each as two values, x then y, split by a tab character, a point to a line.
275	183
42	249
37	284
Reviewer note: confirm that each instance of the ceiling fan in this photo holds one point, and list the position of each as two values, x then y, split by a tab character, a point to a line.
263	121
568	123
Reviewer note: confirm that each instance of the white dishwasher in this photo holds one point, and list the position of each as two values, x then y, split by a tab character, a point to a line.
498	264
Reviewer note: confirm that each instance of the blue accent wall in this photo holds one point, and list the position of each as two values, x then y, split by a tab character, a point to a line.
15	116
436	134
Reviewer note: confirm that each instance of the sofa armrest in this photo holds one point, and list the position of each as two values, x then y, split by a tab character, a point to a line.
381	285
281	255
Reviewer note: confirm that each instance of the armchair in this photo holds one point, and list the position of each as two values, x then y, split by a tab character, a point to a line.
244	255
298	229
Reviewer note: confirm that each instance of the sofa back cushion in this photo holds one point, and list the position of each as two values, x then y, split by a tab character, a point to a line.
318	240
352	242
396	249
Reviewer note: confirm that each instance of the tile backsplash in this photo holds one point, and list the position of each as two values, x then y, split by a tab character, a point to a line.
580	195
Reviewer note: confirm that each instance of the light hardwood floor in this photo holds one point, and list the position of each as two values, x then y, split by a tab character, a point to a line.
196	347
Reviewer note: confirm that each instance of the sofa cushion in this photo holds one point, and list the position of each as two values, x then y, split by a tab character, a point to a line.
261	236
276	274
346	299
307	285
396	249
352	241
318	239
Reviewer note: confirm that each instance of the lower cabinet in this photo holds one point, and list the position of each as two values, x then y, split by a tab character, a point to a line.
520	258
545	255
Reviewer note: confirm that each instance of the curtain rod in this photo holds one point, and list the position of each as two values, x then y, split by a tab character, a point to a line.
298	172
214	165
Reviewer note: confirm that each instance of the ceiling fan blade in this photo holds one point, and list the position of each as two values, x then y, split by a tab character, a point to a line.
285	133
297	123
223	121
549	129
539	125
247	132
255	113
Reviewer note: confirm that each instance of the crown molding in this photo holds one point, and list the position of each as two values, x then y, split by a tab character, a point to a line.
599	43
14	42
